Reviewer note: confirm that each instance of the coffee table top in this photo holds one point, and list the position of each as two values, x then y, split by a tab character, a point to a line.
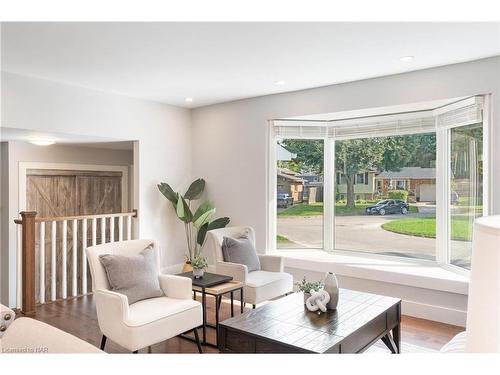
208	279
287	322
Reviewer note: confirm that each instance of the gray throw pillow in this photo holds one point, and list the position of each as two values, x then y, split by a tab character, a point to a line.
135	276
240	250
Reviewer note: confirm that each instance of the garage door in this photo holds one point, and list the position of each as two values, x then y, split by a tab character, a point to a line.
427	193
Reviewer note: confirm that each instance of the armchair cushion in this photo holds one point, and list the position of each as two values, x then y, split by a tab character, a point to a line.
241	250
150	310
135	276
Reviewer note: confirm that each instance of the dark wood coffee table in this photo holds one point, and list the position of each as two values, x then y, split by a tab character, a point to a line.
285	326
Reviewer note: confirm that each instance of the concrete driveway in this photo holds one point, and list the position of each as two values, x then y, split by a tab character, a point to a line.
362	233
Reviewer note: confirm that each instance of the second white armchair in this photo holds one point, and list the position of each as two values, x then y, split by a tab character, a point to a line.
262	285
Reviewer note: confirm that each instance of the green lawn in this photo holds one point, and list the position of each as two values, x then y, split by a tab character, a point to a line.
426	227
315	209
281	238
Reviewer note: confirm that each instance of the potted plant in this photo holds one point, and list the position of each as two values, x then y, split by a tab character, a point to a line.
199	264
197	223
307	286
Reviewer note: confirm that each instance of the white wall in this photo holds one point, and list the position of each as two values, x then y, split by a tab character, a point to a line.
234	135
163	133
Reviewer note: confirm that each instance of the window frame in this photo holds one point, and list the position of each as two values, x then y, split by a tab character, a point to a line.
443	146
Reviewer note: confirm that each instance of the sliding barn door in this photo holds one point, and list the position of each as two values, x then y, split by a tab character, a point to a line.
57	193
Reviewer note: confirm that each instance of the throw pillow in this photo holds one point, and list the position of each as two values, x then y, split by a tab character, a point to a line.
240	250
135	276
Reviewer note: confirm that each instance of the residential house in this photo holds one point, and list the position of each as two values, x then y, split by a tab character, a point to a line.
419	182
364	185
288	182
313	187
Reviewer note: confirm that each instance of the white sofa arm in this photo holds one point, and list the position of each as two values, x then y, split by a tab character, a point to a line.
239	272
272	263
176	286
112	309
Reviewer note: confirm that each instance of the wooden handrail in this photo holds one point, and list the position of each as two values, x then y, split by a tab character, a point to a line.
28	222
80	217
28	262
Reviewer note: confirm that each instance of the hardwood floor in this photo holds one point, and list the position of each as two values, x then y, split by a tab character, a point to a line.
78	317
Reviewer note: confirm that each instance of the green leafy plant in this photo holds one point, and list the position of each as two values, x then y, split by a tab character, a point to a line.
308	286
197	223
398	194
199	262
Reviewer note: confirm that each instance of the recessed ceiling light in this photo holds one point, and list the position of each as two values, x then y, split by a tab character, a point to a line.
407	58
280	82
42	141
189	100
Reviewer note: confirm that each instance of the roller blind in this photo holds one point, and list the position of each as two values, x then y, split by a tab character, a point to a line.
384	128
464	112
374	127
461	116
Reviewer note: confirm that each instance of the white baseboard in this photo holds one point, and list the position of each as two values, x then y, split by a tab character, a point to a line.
435	313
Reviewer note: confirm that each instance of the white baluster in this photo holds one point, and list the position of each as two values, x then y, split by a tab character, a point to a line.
84	256
103	230
74	286
53	274
120	228
129	227
64	261
41	255
94	231
111	229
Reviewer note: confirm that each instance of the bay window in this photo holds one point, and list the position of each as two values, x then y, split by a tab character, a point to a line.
407	185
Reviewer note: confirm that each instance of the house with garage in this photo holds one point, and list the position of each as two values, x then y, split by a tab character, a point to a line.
419	182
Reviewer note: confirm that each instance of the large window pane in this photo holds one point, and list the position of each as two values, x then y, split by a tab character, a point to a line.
385	195
299	194
466	183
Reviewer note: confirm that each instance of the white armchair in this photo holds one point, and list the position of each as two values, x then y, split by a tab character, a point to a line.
268	283
145	322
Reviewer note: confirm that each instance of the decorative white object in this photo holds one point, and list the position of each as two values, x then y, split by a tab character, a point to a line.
318	301
483	311
332	288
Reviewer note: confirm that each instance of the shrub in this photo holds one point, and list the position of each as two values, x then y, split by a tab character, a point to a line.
398	194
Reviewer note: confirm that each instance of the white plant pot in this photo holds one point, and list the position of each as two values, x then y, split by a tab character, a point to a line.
198	274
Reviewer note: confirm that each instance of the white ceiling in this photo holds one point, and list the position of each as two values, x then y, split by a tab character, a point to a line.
217	62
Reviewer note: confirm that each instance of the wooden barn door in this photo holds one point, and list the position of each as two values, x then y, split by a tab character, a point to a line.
56	193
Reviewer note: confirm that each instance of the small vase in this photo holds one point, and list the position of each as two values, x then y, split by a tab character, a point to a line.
187	267
332	288
306	296
197	273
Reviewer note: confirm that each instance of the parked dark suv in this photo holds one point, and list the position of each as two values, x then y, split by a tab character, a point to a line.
388	206
284	200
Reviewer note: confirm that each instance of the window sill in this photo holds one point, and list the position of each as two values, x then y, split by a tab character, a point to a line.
426	275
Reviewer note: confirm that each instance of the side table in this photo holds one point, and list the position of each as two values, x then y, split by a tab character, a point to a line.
214	285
